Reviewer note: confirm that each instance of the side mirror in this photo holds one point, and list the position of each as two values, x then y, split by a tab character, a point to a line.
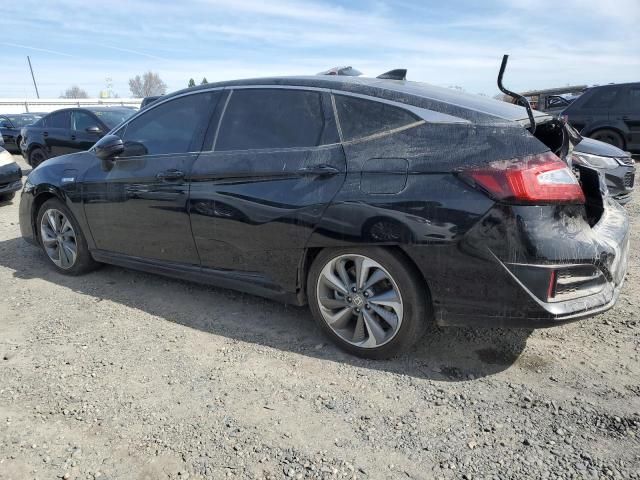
93	129
108	147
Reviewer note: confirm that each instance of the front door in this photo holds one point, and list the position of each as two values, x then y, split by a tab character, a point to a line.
629	113
258	194
136	205
86	130
57	133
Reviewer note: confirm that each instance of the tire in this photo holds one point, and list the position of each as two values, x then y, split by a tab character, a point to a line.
609	136
37	156
7	197
361	325
65	248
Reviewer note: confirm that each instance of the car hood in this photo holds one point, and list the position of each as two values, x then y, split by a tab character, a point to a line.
596	147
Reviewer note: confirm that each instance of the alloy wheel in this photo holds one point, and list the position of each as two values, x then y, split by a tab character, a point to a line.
359	300
59	238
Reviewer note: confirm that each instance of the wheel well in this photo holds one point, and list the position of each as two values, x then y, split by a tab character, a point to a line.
613	129
35	208
312	253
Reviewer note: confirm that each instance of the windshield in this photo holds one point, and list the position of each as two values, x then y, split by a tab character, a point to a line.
111	118
20	121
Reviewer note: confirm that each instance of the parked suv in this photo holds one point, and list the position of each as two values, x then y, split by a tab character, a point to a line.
68	130
609	113
383	204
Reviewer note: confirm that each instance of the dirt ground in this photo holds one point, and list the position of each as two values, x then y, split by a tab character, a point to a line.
124	375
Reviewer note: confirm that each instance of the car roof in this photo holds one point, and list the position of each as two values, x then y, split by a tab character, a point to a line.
443	100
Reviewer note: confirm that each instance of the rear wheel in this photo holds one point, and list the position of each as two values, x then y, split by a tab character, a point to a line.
37	156
369	301
62	240
609	136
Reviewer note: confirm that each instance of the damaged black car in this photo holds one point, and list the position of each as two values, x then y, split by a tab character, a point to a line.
382	204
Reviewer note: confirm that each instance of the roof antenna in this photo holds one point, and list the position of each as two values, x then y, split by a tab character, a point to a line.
522	100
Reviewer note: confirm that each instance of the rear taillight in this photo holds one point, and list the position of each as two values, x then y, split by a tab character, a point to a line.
540	178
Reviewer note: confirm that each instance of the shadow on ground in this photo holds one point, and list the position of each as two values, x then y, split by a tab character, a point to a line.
445	354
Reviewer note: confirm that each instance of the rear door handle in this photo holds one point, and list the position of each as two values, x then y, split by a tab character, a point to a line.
170	175
322	170
73	137
45	134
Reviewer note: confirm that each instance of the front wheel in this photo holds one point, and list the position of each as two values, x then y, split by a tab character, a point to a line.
370	301
62	240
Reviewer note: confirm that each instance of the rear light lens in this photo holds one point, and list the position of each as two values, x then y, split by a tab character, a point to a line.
535	179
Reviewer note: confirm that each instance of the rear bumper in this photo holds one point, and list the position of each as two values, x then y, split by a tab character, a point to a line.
511	241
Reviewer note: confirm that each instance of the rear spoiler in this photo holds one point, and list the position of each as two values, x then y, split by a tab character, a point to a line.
521	99
397	74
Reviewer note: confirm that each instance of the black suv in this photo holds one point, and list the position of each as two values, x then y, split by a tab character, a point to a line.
609	113
10	126
68	130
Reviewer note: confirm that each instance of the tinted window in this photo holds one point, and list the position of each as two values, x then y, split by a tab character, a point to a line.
82	121
634	98
272	118
58	120
602	98
361	118
114	117
172	127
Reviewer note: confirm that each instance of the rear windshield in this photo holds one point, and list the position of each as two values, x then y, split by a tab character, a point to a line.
111	118
19	121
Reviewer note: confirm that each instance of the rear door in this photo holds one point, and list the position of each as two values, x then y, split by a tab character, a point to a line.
273	166
628	113
86	129
57	133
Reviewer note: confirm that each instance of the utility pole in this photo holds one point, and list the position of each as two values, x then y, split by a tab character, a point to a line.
33	77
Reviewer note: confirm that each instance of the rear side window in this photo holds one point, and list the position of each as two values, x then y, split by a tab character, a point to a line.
602	98
272	118
58	120
634	98
176	126
361	118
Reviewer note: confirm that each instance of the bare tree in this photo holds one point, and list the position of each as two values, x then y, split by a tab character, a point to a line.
74	92
150	84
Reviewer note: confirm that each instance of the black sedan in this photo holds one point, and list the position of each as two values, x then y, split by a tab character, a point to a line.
383	204
10	176
68	130
10	126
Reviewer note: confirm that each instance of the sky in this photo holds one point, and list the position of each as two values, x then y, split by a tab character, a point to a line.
447	43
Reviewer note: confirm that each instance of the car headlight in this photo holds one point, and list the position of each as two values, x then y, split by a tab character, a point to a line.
5	158
594	160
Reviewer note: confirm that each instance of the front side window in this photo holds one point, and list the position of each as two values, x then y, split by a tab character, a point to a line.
272	118
361	118
176	126
58	120
82	121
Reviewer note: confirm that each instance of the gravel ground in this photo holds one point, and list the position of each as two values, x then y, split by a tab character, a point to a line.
124	375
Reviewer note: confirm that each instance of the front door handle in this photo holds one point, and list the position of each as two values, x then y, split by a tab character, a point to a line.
73	137
322	170
169	175
45	134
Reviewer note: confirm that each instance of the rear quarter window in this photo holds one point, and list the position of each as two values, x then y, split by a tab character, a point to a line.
361	118
602	98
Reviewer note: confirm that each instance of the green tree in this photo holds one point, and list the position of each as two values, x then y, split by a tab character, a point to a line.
204	81
192	83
